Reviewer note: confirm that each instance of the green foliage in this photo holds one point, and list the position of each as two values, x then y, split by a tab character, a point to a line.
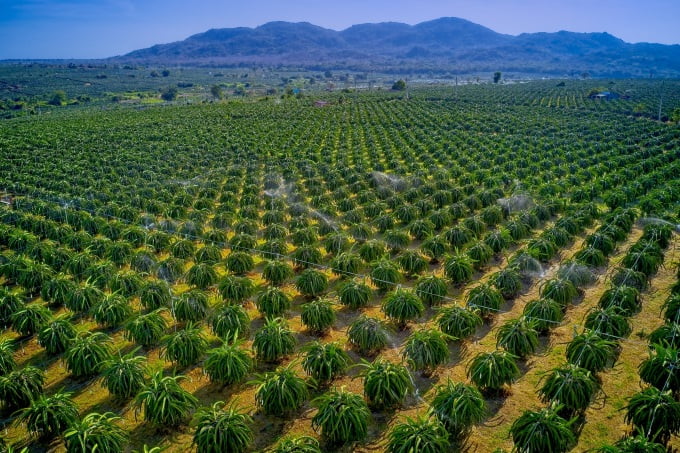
230	322
459	269
545	313
385	383
49	416
311	283
346	263
426	349
420	434
324	362
401	306
662	368
491	371
201	275
239	262
354	294
155	294
625	299
371	251
236	289
7	363
342	417
221	430
569	386
164	402
280	392
318	315
480	254
273	341
655	413
146	329
112	311
277	272
185	346
88	354
458	406
368	335
518	336
608	322
228	364
10	303
57	335
485	299
272	302
411	262
508	282
399	85
18	388
30	319
559	290
385	275
96	432
297	444
431	290
590	256
545	430
591	351
124	375
459	322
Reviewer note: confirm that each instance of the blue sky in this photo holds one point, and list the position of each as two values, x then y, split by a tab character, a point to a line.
103	28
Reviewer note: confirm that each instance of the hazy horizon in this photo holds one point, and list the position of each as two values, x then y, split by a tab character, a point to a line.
80	29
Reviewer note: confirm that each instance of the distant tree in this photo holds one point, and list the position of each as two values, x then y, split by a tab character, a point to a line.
165	73
496	77
154	74
58	98
216	91
675	116
639	109
399	85
169	94
328	74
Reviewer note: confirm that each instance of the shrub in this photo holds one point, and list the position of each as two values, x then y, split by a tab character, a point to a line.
324	362
185	346
49	416
201	275
491	371
480	254
276	272
662	368
311	282
280	392
434	248
88	354
401	306
57	335
590	351
124	375
230	321
518	337
385	275
371	251
147	329
318	315
542	249
227	364
420	434
559	290
459	268
30	319
385	383
626	299
112	311
222	430
10	303
354	294
654	412
272	302
165	403
458	406
545	430
342	417
7	363
96	432
426	349
239	262
367	335
609	322
18	388
485	299
431	290
458	322
668	335
346	264
297	444
236	289
591	256
155	294
411	262
508	282
273	341
569	386
545	313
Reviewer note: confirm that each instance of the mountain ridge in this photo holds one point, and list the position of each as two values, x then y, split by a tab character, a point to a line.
444	44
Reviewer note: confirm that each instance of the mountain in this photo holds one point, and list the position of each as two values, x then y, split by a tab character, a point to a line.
445	44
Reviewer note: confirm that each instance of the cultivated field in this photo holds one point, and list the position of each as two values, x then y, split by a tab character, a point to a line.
498	263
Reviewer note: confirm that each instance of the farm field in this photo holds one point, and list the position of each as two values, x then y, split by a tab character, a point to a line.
473	263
